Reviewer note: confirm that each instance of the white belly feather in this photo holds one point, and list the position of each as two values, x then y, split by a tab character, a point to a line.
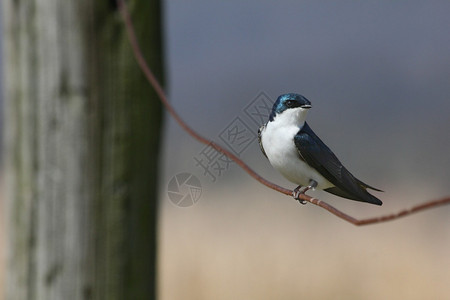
278	142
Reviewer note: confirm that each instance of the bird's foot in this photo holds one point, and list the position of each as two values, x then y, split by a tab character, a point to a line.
299	191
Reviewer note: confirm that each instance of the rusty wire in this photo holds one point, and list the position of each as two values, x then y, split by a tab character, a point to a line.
162	96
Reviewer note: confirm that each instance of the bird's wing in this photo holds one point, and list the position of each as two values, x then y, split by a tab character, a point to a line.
319	156
260	130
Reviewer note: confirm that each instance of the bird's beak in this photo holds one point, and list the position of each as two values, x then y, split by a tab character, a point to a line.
306	106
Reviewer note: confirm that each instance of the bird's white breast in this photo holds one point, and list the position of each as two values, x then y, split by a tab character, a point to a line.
278	142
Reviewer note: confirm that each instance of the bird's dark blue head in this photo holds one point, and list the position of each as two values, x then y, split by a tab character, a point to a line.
288	101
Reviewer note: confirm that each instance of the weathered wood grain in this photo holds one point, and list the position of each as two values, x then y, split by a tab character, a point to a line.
81	145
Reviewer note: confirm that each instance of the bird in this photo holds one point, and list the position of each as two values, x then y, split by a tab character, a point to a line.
292	148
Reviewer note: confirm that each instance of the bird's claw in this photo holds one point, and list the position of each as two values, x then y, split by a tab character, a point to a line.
299	191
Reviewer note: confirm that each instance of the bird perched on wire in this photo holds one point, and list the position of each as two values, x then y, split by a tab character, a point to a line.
299	154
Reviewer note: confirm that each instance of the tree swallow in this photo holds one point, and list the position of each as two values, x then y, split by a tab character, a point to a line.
298	154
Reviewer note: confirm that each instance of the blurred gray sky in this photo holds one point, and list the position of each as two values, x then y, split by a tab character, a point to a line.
376	72
1	82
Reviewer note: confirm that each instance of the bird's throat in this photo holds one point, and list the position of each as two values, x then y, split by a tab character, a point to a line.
291	117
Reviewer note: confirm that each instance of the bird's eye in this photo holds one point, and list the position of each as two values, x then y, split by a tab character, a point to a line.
290	103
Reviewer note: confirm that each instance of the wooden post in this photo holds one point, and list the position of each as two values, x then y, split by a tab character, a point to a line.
82	131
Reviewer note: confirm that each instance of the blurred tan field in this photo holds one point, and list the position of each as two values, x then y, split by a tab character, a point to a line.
252	243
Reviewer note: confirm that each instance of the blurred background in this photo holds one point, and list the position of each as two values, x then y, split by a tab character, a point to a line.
378	76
